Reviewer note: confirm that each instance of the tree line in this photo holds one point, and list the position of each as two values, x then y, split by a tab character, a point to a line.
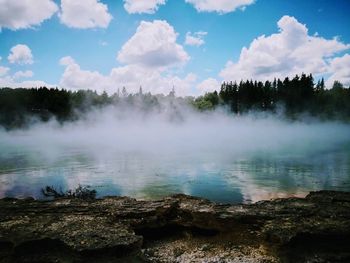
21	107
297	96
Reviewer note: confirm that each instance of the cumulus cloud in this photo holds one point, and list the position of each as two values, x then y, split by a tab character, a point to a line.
195	39
75	78
7	80
153	45
142	6
20	54
84	14
149	56
286	53
220	6
25	14
155	81
10	81
23	74
129	76
66	61
340	68
208	85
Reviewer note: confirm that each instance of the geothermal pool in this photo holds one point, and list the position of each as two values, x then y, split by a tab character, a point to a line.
229	160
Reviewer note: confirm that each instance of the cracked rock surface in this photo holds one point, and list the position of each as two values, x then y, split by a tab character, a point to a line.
179	228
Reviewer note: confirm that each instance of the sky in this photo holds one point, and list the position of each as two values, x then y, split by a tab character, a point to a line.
189	45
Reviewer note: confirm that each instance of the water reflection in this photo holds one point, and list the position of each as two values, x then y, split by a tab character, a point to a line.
222	178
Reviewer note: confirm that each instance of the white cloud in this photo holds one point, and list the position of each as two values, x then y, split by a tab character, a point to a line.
4	71
23	74
286	53
195	39
84	14
340	68
154	81
20	54
25	13
75	78
66	61
220	6
129	76
209	85
142	6
153	45
8	81
149	56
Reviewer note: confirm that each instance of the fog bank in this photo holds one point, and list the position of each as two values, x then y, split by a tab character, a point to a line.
112	129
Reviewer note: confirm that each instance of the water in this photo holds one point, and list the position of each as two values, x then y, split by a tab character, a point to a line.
223	177
217	156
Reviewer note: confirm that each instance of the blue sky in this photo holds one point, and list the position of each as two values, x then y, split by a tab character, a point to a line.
190	44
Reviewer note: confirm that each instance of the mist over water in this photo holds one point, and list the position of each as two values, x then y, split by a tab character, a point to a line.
218	156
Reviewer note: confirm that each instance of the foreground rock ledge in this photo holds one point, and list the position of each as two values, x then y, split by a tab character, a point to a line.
179	228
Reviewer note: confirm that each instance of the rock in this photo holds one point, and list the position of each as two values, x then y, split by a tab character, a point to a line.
311	229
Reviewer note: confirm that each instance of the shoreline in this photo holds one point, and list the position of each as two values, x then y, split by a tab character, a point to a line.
178	228
265	196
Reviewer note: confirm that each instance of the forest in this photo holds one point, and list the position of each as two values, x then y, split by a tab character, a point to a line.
296	97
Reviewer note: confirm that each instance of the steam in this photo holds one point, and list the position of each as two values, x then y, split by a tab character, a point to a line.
115	130
189	142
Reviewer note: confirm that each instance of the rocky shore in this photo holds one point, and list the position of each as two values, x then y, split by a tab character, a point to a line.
179	228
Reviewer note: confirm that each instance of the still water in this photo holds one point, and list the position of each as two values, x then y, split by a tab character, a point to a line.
227	178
